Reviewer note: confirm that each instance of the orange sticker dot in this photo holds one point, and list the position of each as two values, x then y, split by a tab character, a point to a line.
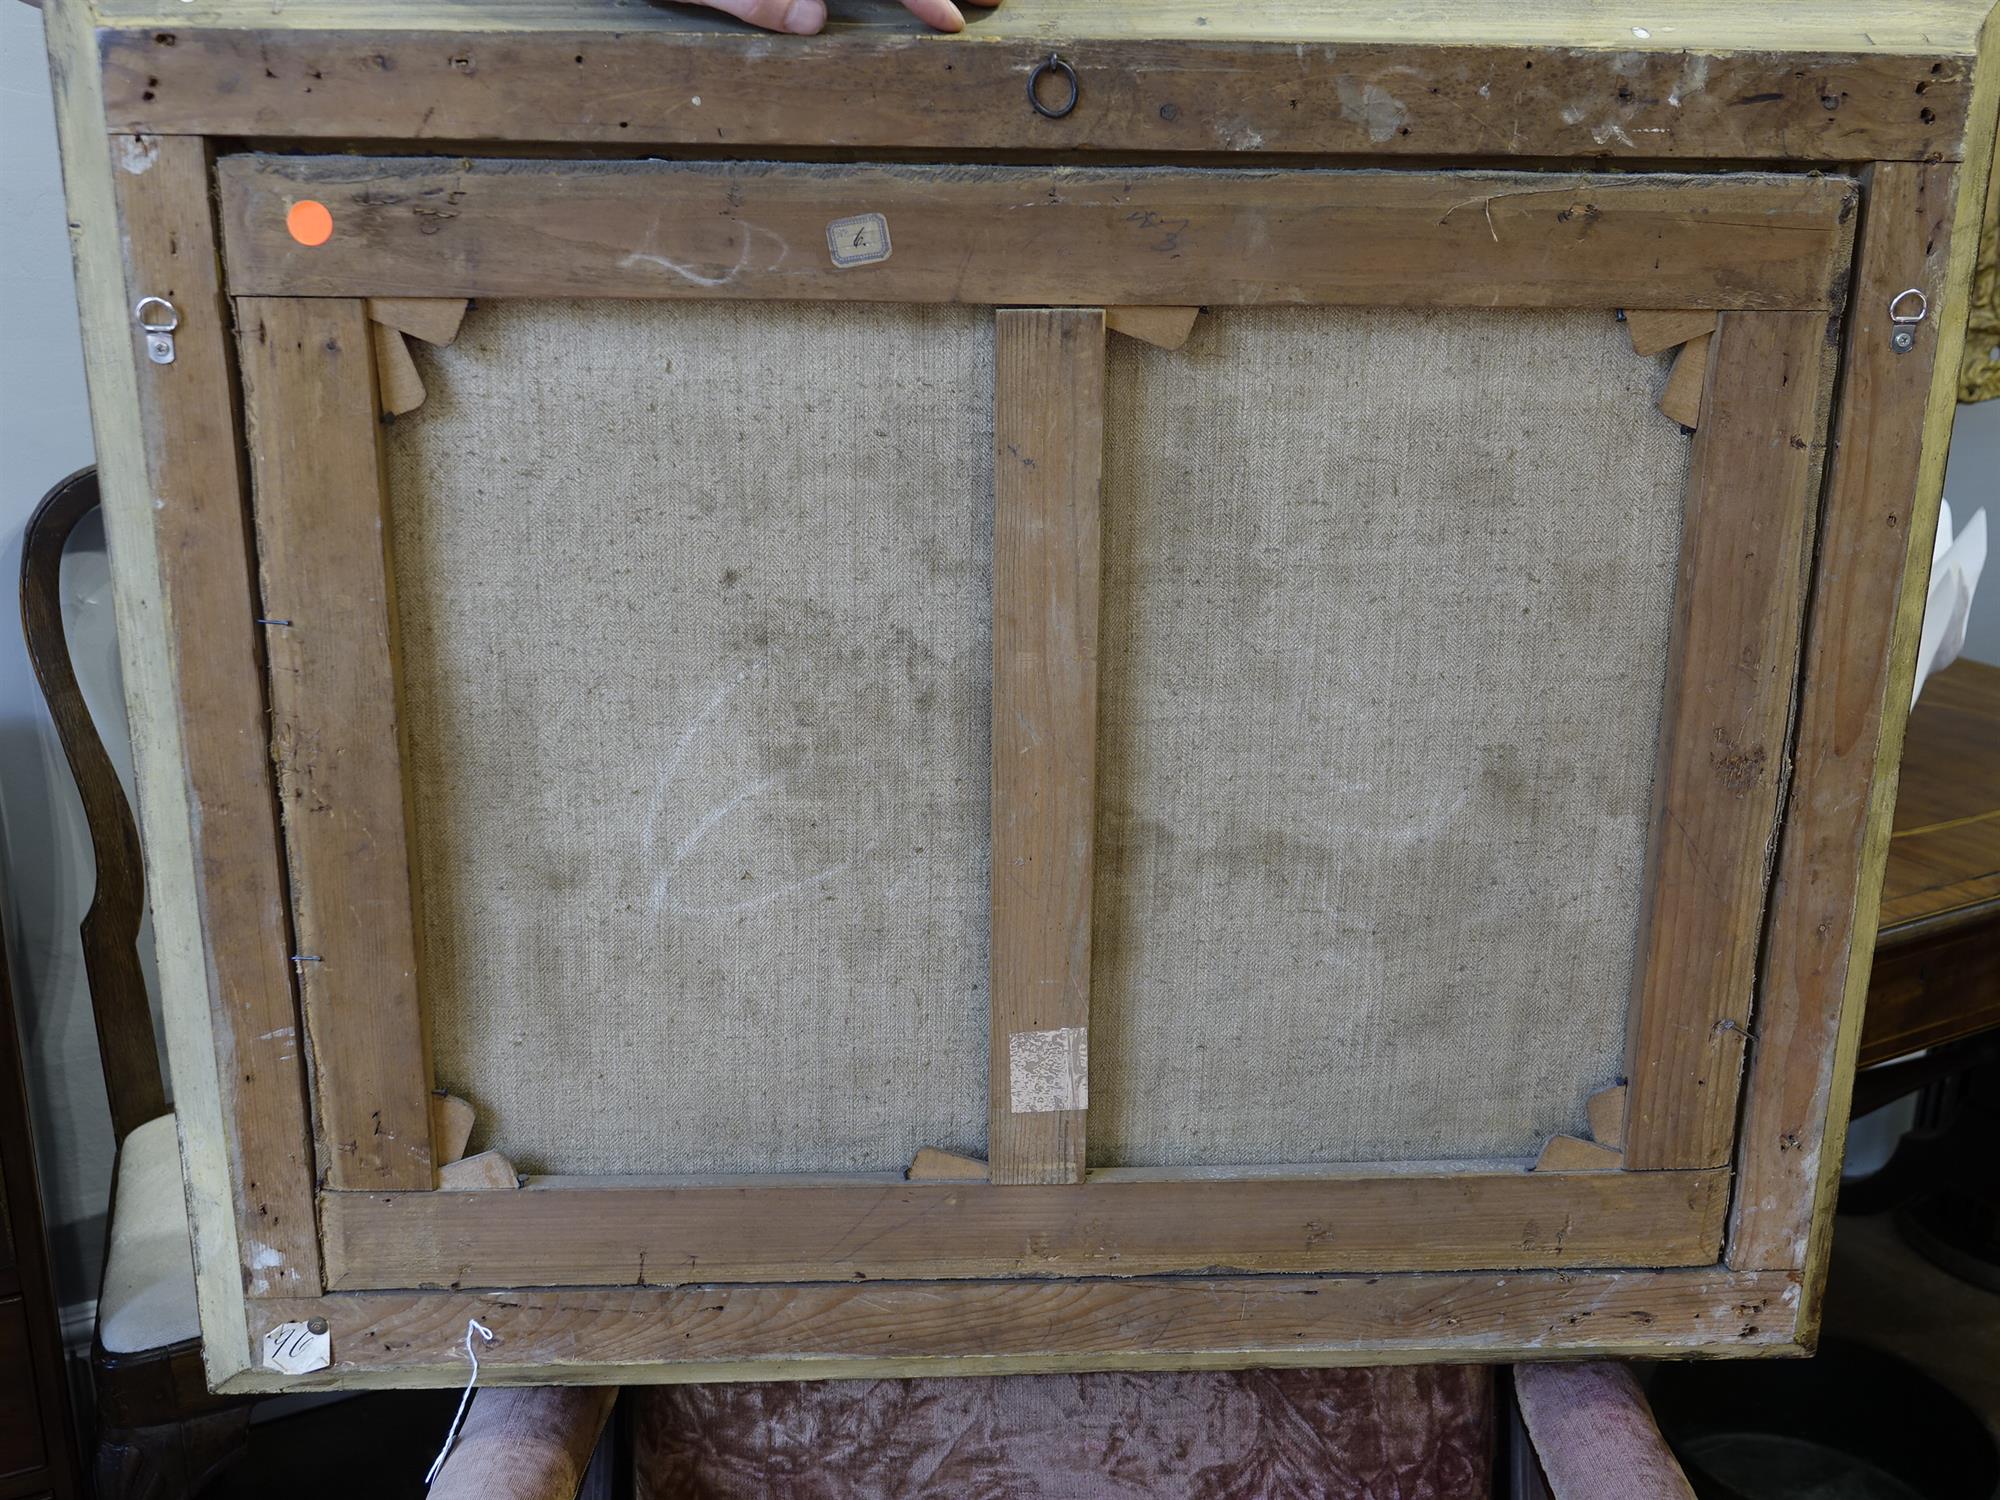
310	222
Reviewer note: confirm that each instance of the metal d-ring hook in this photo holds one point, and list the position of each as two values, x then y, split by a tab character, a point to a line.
1054	64
166	320
1896	315
1903	325
157	319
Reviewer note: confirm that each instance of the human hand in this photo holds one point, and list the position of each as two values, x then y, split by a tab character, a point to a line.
804	17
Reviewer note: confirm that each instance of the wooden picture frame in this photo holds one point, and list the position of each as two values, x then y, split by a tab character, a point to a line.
1694	1224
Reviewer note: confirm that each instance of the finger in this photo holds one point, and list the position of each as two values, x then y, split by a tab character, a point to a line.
988	4
800	17
939	13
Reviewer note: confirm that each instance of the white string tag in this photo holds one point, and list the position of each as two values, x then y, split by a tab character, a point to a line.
472	1326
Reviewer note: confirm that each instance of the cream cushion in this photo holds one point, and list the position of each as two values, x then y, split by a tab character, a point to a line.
147	1301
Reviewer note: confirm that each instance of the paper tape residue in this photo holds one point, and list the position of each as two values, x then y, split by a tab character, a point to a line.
860	240
1049	1071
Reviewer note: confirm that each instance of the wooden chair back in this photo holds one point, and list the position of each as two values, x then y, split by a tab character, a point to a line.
110	928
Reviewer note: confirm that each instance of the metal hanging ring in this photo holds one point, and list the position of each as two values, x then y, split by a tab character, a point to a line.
1923	306
1054	64
164	321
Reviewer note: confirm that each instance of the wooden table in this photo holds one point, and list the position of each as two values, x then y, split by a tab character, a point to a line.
1937	957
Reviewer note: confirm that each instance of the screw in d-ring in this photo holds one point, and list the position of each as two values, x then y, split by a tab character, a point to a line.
1052	64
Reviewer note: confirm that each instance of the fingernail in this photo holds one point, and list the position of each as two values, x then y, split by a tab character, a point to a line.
805	17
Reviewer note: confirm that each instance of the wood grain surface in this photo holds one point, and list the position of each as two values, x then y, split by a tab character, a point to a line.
1544	81
195	496
1035	235
767	1229
1880	514
629	1335
309	388
1746	545
1048	466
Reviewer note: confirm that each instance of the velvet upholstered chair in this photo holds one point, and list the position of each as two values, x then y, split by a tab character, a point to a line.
1391	1433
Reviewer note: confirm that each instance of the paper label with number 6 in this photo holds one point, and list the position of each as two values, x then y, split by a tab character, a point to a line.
858	241
298	1348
